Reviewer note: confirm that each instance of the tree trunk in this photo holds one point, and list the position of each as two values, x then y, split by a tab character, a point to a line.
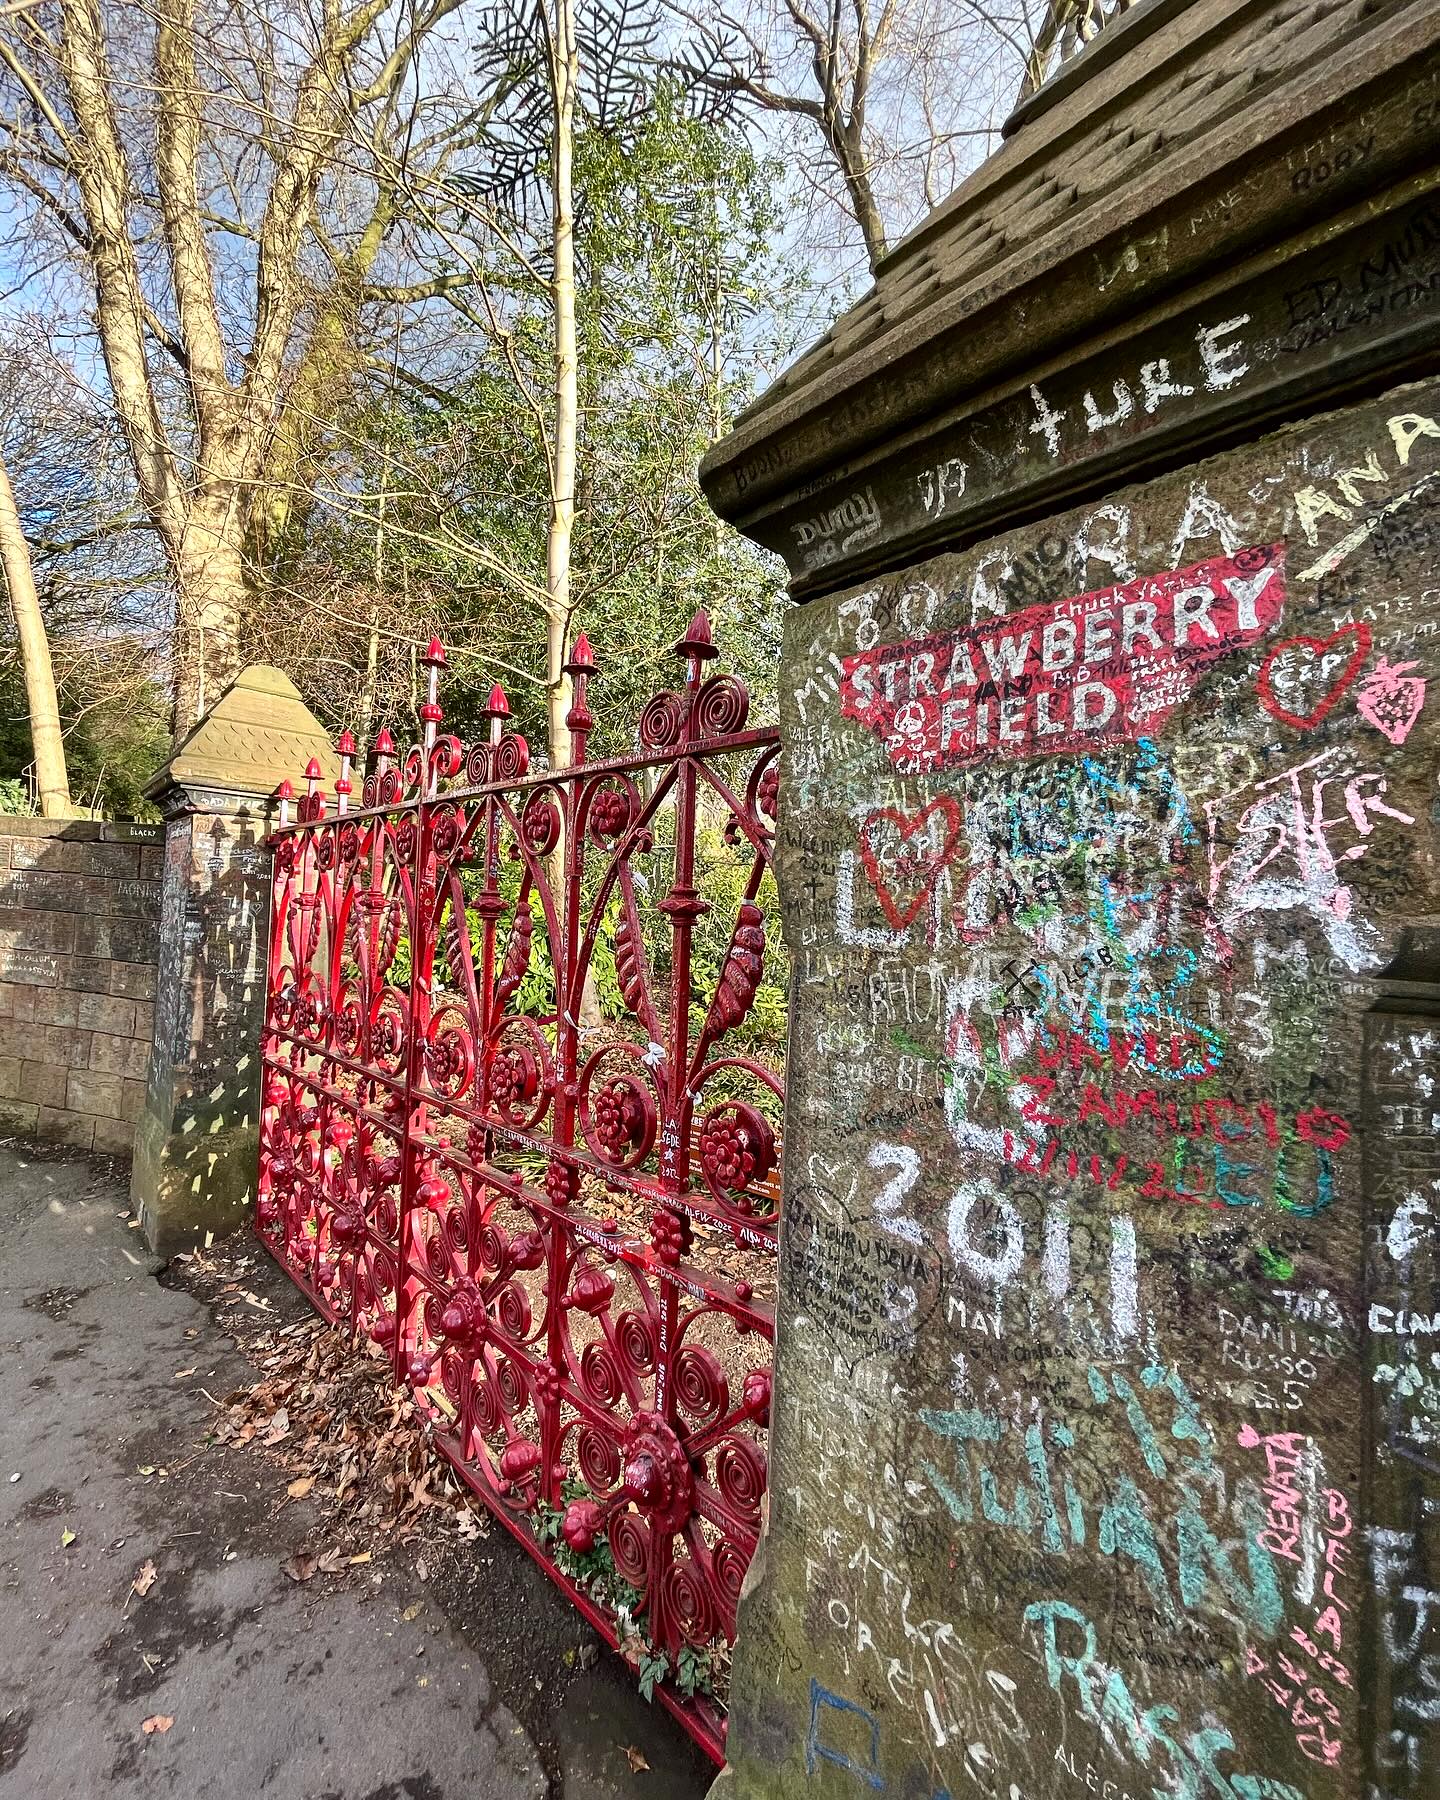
51	778
850	153
210	607
565	79
369	686
565	68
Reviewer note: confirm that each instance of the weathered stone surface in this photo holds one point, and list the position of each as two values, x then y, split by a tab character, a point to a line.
18	1118
72	1128
120	1055
1104	1448
1107	1389
135	980
58	983
43	1083
55	1006
94	1092
104	1012
26	938
196	1142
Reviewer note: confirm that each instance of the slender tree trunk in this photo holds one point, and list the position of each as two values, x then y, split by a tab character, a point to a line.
372	641
51	777
850	152
369	685
565	78
211	606
565	68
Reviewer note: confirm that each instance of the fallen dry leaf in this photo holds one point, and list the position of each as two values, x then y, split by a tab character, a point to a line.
145	1580
636	1761
332	1561
412	1611
160	1722
297	1490
67	1538
184	1374
301	1566
363	1557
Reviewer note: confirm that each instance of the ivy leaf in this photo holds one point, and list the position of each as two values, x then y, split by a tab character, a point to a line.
653	1670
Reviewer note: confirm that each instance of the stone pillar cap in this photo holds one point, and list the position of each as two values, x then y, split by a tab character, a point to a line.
1202	174
258	734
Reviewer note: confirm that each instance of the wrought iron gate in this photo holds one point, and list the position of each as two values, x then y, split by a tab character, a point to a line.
520	1127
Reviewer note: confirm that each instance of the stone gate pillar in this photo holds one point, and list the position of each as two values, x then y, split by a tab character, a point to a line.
1105	1454
195	1144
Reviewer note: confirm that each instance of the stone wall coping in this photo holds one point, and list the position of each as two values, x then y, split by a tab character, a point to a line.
92	831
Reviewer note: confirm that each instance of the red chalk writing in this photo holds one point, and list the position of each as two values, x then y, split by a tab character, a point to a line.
1098	668
1215	1136
903	854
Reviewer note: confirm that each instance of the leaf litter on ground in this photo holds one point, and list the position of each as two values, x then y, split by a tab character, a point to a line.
325	1410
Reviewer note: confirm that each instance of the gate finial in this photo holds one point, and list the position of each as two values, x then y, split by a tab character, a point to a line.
698	640
432	712
579	719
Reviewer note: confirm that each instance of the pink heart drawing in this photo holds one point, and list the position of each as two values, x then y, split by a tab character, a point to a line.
1390	699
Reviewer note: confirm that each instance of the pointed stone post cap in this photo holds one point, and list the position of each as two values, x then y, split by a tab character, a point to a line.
258	734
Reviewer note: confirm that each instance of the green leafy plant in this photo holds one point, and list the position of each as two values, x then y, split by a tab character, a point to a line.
654	1667
594	1571
694	1671
15	798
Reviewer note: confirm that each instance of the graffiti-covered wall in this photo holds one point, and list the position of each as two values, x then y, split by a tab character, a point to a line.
1106	1451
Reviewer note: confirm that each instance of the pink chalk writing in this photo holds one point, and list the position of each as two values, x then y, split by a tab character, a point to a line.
1305	1688
1104	667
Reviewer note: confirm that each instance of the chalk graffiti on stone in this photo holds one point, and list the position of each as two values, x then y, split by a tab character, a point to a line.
1390	699
1104	667
1301	679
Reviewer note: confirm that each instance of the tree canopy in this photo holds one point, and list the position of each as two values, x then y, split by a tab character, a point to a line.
343	325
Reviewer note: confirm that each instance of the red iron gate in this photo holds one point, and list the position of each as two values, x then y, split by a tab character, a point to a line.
515	1130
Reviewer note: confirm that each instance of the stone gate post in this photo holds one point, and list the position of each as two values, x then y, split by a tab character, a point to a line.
195	1144
1105	1454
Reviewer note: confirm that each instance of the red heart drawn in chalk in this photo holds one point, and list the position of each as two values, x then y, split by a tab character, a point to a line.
1317	648
922	871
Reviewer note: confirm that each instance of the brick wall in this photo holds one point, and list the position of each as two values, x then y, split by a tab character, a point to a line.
79	924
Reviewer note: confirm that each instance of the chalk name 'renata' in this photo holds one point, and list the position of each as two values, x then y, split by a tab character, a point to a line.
1099	668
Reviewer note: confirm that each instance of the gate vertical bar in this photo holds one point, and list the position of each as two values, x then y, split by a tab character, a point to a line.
422	974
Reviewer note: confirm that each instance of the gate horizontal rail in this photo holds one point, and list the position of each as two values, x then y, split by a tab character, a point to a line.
521	1129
